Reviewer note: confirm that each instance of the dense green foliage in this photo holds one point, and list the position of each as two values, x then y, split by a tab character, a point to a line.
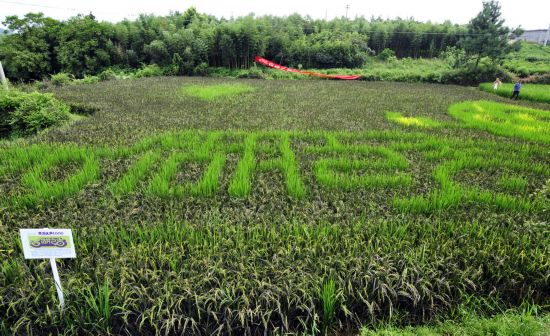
293	208
28	113
533	92
531	59
190	42
487	35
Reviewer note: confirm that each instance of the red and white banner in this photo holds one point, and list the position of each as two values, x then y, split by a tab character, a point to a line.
270	64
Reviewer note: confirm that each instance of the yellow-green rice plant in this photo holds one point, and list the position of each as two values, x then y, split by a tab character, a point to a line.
504	119
422	122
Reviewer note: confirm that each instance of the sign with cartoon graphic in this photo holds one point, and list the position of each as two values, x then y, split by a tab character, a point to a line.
47	243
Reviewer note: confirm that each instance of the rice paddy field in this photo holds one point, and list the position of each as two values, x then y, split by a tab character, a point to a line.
209	206
532	92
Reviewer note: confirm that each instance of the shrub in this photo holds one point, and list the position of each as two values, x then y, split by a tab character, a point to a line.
106	75
473	76
9	101
82	108
151	70
89	79
201	69
61	79
386	55
28	113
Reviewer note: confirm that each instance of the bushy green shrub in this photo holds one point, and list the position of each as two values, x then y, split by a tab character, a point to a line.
107	74
201	69
83	108
150	70
469	75
9	101
61	79
27	113
386	55
89	79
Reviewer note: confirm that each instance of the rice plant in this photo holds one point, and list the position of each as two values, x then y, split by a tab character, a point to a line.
213	92
398	118
504	119
241	182
136	173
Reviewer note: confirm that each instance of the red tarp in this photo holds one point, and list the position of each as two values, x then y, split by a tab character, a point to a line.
270	64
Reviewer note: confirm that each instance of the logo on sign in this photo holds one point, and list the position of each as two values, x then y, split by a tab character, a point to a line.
48	242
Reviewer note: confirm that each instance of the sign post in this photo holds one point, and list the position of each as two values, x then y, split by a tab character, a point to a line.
49	244
3	80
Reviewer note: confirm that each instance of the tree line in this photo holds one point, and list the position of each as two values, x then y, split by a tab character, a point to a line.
35	46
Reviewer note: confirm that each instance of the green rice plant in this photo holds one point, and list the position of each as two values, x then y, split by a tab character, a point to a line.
160	183
513	183
213	92
532	92
328	299
137	172
422	122
240	184
10	271
98	302
338	172
505	120
41	189
451	194
209	183
294	184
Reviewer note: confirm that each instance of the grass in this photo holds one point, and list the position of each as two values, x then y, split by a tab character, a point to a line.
213	92
211	217
507	324
532	92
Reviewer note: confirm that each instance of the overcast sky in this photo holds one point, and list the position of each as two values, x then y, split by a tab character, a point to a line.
530	14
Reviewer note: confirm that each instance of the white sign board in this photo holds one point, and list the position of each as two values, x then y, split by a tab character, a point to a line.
47	243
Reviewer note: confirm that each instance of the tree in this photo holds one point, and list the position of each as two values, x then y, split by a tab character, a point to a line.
85	45
29	51
487	35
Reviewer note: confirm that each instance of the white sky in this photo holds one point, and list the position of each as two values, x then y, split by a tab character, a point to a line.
530	14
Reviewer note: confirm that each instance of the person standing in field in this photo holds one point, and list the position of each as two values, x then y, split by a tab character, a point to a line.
497	83
517	87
